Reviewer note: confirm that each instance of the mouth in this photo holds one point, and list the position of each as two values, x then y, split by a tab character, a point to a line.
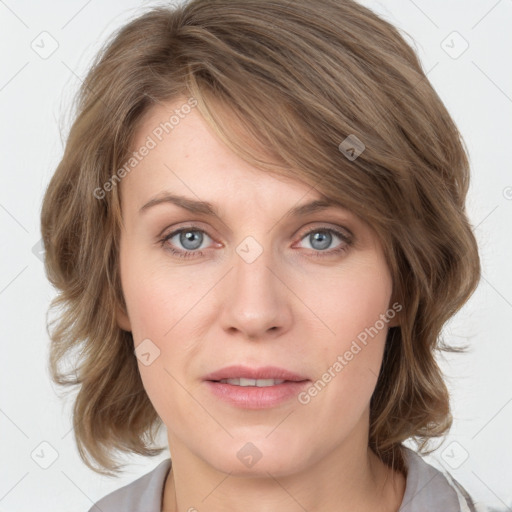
246	376
255	388
260	383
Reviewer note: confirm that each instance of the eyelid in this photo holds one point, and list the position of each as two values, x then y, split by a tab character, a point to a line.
343	233
348	236
186	224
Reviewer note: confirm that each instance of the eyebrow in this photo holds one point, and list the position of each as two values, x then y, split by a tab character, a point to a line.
206	208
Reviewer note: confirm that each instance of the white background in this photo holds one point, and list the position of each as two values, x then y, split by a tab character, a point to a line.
35	96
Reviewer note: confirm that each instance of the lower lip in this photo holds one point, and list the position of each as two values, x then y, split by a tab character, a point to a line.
253	397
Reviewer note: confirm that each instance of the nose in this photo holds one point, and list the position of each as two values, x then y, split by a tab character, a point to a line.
255	302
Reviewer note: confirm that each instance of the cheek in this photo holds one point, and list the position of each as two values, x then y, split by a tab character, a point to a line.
350	301
161	309
353	347
155	299
158	312
154	310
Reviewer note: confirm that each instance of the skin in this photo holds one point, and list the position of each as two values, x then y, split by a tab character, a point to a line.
287	308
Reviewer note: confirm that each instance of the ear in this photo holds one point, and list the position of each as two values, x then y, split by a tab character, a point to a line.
123	321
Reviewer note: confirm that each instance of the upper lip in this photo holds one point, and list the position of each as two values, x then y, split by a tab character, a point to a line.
264	372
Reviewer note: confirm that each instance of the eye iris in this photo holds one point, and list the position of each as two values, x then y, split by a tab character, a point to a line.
192	239
187	236
324	237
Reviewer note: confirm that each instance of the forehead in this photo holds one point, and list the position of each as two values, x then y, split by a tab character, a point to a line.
189	169
186	157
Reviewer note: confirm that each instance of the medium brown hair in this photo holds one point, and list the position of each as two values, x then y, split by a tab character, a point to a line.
301	78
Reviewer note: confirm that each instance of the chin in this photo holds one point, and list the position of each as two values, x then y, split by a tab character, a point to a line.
258	455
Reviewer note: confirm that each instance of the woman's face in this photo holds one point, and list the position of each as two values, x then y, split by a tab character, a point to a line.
256	286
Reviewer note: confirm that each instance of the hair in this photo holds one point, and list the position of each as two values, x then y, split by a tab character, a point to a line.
301	79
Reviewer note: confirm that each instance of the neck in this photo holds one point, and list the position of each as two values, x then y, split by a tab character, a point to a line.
345	480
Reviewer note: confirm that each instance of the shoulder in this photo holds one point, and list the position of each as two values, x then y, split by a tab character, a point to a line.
429	489
142	495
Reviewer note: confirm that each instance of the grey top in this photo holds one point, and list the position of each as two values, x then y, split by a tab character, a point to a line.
427	489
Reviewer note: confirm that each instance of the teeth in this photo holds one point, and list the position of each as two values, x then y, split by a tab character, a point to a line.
260	383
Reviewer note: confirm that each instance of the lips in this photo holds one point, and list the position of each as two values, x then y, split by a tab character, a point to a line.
254	374
260	383
255	388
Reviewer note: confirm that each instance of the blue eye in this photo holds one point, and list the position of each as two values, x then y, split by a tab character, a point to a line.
191	238
324	240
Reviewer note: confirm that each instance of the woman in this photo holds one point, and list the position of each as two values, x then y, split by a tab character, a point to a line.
258	230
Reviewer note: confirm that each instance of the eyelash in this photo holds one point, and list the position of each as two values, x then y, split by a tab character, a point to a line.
347	242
